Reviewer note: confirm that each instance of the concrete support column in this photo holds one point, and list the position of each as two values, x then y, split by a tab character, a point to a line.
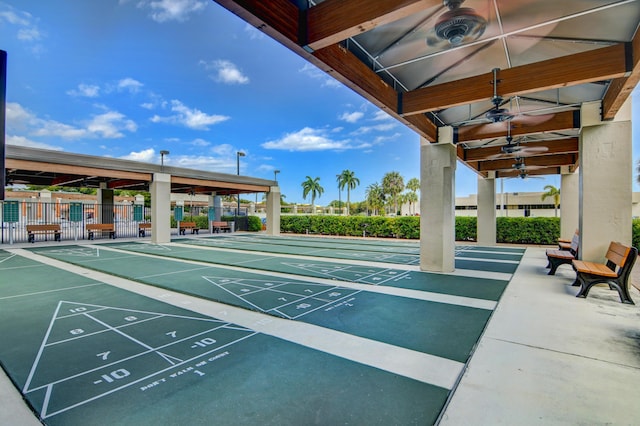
569	204
486	226
160	189
437	203
217	205
606	167
273	211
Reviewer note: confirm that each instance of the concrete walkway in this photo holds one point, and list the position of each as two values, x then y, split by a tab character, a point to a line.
549	358
546	357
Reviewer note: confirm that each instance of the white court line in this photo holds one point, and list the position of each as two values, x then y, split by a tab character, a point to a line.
392	291
409	363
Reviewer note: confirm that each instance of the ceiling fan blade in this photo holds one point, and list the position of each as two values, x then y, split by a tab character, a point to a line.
531	150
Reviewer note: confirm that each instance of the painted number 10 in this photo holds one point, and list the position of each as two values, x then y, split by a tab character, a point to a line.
115	375
203	343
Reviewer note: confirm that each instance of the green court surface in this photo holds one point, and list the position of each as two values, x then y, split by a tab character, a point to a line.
86	353
488	289
420	325
366	250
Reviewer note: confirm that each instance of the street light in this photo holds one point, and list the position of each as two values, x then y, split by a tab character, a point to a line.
238	155
275	175
162	154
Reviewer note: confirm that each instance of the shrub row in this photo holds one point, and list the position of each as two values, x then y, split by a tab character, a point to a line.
522	230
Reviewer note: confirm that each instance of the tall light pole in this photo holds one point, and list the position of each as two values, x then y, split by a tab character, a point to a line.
238	155
275	175
162	154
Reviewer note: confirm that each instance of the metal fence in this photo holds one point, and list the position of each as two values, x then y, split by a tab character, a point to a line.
72	218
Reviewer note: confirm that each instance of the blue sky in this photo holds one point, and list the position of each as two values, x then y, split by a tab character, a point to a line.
128	78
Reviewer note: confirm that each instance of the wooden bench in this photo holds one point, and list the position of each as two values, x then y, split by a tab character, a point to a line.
142	228
221	226
101	227
615	272
557	257
33	230
564	244
188	225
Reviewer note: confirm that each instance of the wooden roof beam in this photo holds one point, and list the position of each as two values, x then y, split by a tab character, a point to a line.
566	120
595	65
333	21
620	88
558	146
538	161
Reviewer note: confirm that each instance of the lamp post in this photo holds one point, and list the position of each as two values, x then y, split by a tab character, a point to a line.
238	155
275	175
162	154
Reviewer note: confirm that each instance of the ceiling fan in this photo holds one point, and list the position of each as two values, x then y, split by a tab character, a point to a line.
456	26
516	148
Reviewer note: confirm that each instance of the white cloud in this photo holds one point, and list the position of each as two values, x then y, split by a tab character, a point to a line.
377	128
200	142
27	30
307	139
380	115
172	10
351	117
225	72
253	32
110	125
85	90
189	117
129	84
22	141
29	34
224	150
315	73
146	155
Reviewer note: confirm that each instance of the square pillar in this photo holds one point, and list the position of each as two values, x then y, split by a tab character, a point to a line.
569	204
486	225
437	203
160	189
606	167
273	211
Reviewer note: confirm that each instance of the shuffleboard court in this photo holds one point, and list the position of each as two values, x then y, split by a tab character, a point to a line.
86	353
415	324
493	259
478	288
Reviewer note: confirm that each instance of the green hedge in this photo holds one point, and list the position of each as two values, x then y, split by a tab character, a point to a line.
521	230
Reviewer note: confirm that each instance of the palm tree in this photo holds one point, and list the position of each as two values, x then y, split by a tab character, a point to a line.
348	178
312	186
393	184
413	186
375	198
554	192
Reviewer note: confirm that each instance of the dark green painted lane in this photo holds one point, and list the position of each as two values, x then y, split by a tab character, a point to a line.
86	353
414	324
333	248
478	288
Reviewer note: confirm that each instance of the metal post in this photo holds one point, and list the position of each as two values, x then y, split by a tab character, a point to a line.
3	109
238	155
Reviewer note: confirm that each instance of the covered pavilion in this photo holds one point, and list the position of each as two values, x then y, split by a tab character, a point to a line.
58	168
509	88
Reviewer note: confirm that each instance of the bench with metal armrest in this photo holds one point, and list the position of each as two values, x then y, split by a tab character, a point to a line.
615	273
33	230
188	225
93	228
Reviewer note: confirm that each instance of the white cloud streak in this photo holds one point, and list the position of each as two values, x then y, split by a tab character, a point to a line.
308	139
225	72
189	117
172	10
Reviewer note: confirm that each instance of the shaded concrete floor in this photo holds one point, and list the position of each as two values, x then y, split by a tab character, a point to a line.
550	358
